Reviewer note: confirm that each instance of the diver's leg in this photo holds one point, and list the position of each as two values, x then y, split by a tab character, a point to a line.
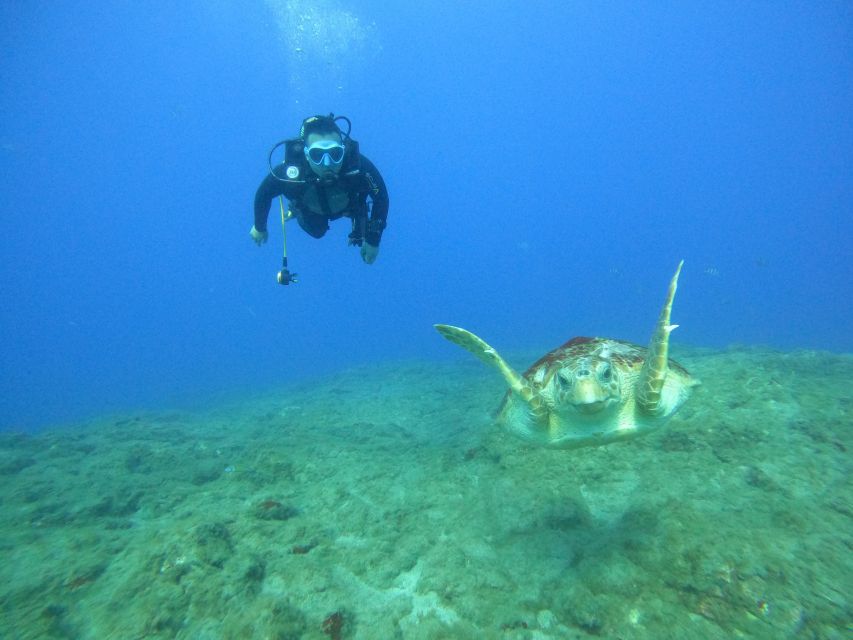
314	225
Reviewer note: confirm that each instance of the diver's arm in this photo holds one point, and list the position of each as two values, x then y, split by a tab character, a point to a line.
379	195
268	189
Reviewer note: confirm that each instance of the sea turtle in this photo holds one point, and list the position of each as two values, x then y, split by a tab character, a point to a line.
590	391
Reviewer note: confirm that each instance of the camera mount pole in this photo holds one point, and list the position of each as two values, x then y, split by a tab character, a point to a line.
284	276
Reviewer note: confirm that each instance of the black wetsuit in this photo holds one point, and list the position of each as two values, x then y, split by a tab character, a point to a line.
315	203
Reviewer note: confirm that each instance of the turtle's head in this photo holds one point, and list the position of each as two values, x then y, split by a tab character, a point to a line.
587	386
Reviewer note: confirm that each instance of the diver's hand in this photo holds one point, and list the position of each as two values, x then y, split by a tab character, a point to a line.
259	236
369	252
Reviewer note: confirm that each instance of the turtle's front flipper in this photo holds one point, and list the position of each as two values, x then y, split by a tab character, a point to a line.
655	367
487	354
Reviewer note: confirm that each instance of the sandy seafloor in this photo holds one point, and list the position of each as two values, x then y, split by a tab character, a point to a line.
383	503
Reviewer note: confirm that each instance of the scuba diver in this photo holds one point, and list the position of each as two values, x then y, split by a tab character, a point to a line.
324	178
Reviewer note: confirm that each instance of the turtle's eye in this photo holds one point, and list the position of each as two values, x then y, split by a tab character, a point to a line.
564	381
606	373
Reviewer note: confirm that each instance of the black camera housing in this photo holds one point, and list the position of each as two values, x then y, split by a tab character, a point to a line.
286	277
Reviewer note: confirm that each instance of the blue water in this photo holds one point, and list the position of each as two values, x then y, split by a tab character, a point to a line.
548	165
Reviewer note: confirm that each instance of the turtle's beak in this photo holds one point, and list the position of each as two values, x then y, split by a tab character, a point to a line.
588	396
591	407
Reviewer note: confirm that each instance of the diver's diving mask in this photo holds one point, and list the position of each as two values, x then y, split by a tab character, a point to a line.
325	152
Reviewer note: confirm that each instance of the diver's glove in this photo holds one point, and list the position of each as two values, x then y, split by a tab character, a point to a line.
259	236
369	252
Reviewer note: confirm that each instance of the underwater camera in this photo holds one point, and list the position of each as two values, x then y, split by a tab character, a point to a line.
286	277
